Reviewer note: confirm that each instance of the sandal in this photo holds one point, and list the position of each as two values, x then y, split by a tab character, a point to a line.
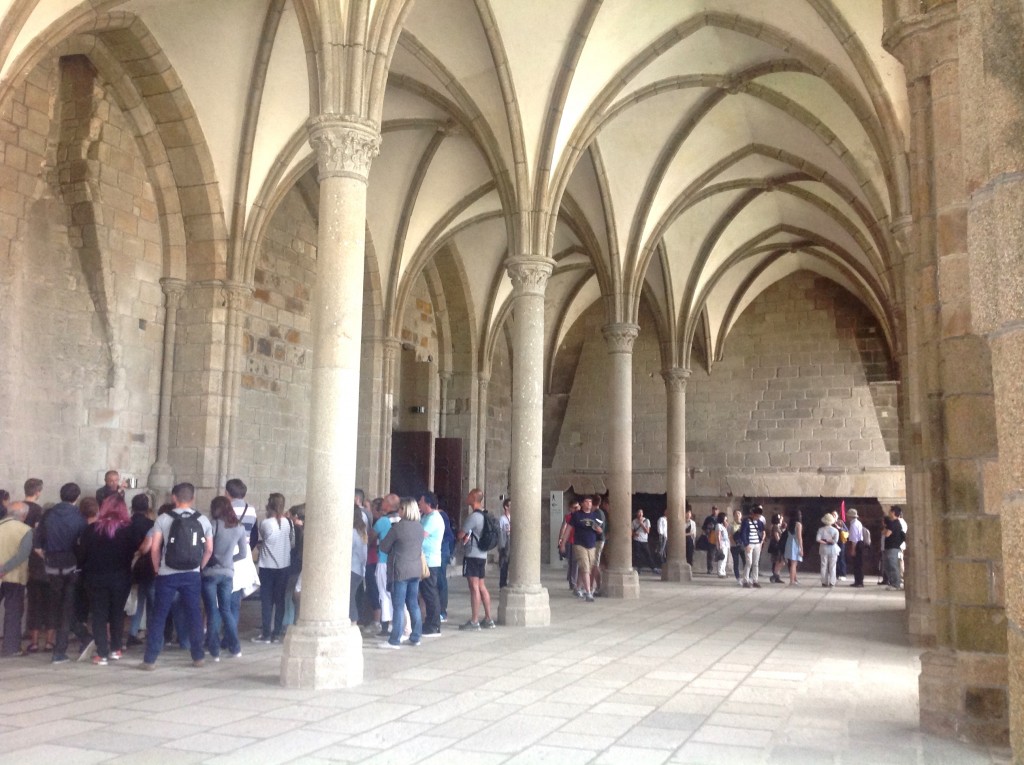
32	648
49	646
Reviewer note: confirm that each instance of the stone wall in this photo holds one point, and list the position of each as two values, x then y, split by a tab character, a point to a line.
274	412
80	261
792	397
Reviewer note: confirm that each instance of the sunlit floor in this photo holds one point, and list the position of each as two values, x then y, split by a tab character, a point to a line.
700	673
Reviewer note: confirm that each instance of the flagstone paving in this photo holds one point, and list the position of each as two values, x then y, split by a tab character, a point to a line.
699	673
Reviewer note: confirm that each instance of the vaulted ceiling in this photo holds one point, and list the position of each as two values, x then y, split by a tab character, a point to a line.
685	153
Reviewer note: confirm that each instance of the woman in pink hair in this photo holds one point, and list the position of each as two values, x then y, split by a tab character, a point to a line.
106	549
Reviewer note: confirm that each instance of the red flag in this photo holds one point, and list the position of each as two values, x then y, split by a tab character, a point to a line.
842	511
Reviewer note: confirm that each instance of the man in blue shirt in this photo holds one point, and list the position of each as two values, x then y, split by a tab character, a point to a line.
433	533
388	516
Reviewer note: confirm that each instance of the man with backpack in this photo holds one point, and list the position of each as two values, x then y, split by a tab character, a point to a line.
479	534
182	543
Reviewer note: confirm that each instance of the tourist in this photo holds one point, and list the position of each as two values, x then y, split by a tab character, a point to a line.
276	537
858	547
15	551
641	529
403	545
433	537
38	619
752	535
143	573
229	545
474	563
794	546
587	529
358	563
504	539
389	516
828	548
775	547
106	551
721	542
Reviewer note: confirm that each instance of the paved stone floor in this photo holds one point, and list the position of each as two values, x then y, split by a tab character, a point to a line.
703	673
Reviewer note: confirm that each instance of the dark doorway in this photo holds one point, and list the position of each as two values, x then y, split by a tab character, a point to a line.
410	461
448	475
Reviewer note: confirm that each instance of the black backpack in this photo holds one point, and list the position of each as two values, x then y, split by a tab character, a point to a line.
490	534
186	542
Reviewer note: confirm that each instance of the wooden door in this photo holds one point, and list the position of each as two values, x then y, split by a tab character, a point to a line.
448	475
410	462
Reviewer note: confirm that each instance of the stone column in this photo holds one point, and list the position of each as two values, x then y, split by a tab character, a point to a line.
323	650
676	569
481	433
955	464
392	348
161	474
620	580
235	297
991	70
445	381
524	603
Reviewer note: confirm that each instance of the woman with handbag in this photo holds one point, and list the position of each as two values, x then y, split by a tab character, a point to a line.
721	541
404	547
276	537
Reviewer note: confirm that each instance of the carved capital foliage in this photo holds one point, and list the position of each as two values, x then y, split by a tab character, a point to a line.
173	290
344	146
391	346
675	379
620	336
483	381
236	295
529	275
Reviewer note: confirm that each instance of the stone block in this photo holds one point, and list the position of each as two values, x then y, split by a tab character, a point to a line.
980	629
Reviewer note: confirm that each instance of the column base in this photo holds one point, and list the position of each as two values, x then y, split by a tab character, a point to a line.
671	571
621	583
322	656
524	607
964	696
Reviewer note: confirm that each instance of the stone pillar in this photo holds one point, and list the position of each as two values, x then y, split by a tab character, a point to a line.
323	650
955	463
392	349
524	603
235	298
991	83
445	381
481	432
620	580
676	569
161	474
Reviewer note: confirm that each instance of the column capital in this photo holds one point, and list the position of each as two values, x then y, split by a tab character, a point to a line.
344	145
235	294
529	274
675	379
173	288
922	41
620	336
391	346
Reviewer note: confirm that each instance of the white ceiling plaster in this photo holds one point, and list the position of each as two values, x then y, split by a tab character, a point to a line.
535	54
565	239
482	247
443	190
41	17
589	294
630	146
211	47
285	105
405	63
817	97
401	104
488	204
451	31
391	173
585	191
866	21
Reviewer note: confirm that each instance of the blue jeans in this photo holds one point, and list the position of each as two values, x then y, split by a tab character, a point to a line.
217	601
442	587
406	591
187	586
146	605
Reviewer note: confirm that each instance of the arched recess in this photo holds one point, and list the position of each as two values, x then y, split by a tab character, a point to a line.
169	135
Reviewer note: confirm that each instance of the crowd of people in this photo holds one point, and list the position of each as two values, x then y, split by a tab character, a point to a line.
98	567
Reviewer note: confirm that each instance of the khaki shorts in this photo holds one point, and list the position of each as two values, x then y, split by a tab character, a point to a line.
585	559
598	549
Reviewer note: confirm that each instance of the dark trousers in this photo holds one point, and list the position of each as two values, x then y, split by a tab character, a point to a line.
273	587
431	601
642	555
39	611
355	595
187	586
739	558
442	588
217	602
858	563
503	568
13	597
689	550
63	589
106	601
